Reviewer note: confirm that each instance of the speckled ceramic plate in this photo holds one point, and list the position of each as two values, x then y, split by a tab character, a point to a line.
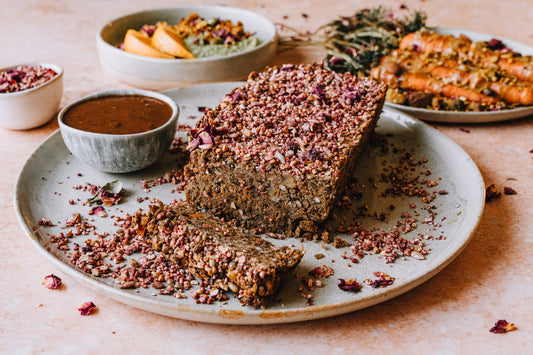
472	117
45	186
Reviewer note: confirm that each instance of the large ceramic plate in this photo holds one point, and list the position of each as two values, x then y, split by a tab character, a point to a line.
44	188
472	117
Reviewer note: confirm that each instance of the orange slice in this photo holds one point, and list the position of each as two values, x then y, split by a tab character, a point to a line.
139	43
167	40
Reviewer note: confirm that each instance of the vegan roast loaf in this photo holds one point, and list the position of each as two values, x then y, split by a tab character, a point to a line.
275	152
221	254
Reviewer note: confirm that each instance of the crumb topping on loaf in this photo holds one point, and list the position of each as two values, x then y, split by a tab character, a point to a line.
299	119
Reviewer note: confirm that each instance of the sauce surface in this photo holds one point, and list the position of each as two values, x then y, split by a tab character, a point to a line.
118	114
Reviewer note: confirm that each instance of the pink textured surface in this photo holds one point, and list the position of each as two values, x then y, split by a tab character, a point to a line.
451	313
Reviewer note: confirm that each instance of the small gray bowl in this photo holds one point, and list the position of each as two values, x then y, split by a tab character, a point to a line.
120	153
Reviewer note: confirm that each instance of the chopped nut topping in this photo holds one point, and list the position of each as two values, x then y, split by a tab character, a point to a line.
285	117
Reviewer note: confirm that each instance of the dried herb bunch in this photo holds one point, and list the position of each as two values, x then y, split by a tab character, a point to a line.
356	43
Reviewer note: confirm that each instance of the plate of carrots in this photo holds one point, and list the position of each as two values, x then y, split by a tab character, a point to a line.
434	73
451	75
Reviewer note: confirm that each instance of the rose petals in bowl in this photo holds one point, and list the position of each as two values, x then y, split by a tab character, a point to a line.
30	94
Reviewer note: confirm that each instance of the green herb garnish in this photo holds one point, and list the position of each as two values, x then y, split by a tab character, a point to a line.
356	43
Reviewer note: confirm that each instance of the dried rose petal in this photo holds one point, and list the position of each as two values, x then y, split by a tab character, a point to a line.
87	308
98	211
319	91
52	282
287	67
350	285
193	144
350	94
496	45
491	193
204	138
335	60
236	96
110	198
321	271
383	280
110	194
502	326
381	283
509	191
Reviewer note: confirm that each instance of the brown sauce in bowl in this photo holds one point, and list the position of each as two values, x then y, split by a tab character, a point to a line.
118	114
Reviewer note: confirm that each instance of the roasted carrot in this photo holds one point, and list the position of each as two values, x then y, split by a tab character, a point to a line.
424	82
464	48
452	71
513	93
521	67
449	69
435	42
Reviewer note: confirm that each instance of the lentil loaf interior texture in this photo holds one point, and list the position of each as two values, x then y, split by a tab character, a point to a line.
275	153
216	252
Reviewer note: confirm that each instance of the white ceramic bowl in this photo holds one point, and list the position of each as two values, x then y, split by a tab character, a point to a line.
33	107
159	74
120	153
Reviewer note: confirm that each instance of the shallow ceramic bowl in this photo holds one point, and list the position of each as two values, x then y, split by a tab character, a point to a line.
159	74
120	153
33	107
